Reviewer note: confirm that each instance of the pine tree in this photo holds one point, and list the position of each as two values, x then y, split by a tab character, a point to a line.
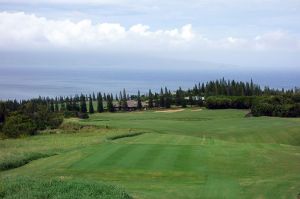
161	98
91	107
56	106
191	101
124	101
100	108
139	102
75	106
52	106
68	104
167	99
150	102
181	97
83	108
110	105
156	100
177	98
62	106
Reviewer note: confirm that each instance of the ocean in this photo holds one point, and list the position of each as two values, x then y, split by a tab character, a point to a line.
23	83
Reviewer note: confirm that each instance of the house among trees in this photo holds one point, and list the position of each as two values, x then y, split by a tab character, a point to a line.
132	105
196	98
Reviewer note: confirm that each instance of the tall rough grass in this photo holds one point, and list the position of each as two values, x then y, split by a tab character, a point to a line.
17	161
130	134
28	188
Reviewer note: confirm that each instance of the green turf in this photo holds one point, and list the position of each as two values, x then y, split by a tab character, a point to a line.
203	154
230	125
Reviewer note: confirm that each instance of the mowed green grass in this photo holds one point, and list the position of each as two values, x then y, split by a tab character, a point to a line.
230	125
219	156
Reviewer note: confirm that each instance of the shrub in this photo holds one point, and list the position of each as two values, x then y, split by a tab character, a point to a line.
294	110
263	109
242	102
83	115
218	102
296	98
17	125
54	120
68	114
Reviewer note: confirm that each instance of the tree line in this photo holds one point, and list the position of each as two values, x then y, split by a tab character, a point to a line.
30	116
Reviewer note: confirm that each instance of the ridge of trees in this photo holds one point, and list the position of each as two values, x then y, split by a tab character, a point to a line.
29	116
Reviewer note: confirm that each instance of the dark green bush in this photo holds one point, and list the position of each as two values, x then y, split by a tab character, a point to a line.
218	102
241	102
17	124
280	106
54	120
68	114
263	109
83	115
294	110
296	98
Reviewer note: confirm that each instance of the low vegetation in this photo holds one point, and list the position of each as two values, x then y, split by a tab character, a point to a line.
28	188
27	118
20	160
130	134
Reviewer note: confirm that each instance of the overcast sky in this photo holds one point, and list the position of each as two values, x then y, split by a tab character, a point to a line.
248	34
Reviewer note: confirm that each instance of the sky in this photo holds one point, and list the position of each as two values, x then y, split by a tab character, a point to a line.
169	34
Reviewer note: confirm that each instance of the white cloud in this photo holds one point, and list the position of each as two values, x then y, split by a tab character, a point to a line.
19	30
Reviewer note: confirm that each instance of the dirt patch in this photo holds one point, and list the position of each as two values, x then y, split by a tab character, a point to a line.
195	110
170	111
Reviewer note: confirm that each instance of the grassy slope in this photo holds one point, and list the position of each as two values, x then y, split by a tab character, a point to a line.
17	152
226	159
230	125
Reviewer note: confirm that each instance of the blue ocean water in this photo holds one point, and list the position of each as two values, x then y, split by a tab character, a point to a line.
24	83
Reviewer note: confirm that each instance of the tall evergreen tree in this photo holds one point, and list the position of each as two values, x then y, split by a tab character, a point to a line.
68	104
191	100
161	98
181	97
167	99
75	106
156	100
139	101
91	107
110	105
3	112
150	102
62	106
83	108
56	106
124	101
52	106
100	108
177	98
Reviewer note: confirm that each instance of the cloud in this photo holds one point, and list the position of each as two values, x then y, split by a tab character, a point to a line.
19	30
